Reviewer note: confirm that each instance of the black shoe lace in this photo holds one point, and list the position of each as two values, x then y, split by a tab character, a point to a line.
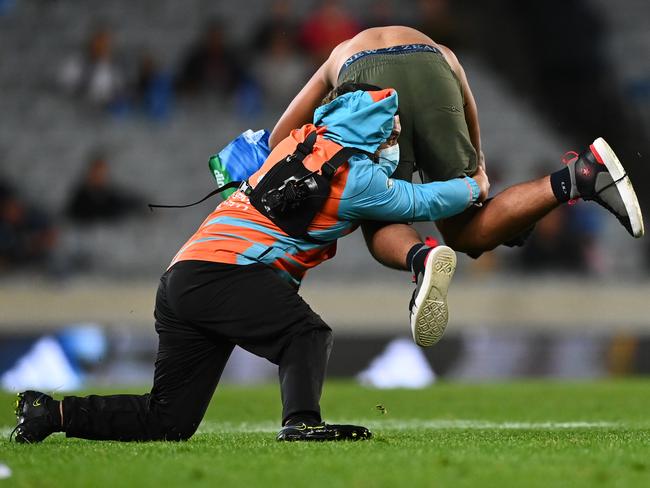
412	301
609	185
595	197
13	432
604	204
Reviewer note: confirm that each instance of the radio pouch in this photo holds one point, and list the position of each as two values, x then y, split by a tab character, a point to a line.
291	195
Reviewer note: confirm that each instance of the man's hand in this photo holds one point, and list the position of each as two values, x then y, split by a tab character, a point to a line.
392	139
483	182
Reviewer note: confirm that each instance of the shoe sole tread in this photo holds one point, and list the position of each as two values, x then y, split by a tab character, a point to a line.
430	313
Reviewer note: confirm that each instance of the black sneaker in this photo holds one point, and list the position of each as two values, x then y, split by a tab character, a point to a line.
35	422
429	312
600	177
323	432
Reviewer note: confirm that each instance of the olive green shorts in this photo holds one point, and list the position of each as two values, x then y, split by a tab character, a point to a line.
435	138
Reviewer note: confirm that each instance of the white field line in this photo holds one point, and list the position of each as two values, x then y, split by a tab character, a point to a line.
392	425
384	425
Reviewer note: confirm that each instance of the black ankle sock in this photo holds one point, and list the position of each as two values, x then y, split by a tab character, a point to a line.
561	184
416	257
53	406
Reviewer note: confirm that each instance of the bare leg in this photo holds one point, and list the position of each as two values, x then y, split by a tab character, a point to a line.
476	230
508	214
390	243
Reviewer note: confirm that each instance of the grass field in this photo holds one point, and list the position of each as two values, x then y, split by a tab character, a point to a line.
515	434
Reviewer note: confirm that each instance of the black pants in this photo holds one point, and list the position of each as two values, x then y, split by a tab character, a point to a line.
202	311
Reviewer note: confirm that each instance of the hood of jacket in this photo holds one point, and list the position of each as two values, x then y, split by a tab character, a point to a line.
361	119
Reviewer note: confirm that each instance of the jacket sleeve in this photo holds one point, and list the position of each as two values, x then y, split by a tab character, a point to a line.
371	195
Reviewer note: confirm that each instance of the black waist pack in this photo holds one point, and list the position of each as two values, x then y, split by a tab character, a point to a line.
290	195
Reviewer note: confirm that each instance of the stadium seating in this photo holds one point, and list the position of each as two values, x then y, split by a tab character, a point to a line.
45	136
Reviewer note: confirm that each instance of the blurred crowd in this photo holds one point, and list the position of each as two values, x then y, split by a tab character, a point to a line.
29	234
262	73
259	75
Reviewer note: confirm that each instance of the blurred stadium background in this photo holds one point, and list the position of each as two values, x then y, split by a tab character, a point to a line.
108	105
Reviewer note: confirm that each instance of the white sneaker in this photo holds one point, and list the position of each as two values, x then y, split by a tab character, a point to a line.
429	312
600	177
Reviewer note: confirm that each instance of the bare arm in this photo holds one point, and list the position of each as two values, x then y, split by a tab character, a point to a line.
301	109
471	110
471	117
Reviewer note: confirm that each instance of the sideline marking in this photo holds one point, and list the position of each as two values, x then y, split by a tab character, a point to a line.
392	425
213	427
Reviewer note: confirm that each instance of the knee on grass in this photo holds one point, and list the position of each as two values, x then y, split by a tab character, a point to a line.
178	431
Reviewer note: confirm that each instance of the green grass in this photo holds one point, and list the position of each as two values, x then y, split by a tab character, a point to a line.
516	434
